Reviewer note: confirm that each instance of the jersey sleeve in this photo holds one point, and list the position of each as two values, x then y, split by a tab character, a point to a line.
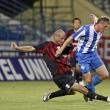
40	48
79	33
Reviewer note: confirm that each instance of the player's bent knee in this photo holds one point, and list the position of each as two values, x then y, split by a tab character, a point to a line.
105	76
88	80
79	88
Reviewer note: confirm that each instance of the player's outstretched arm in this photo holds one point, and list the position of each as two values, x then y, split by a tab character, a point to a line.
22	48
94	17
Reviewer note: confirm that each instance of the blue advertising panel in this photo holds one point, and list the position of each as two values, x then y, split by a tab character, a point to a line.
23	68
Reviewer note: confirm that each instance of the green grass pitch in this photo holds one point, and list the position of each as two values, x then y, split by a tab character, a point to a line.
28	96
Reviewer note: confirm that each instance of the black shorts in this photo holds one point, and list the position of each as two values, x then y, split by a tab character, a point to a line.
65	81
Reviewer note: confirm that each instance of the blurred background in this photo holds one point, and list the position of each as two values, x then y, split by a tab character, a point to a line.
30	22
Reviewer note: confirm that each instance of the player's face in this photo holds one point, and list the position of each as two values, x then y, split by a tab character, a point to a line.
59	38
77	24
103	26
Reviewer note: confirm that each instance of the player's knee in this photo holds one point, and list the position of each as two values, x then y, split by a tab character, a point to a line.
88	80
105	76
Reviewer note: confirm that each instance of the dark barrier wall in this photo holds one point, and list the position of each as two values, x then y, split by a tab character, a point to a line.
23	68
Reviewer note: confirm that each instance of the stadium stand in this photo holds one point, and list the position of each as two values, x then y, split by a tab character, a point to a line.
102	4
35	20
26	21
12	28
12	8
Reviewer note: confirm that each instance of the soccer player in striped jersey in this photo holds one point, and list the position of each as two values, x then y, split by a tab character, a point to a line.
76	24
88	37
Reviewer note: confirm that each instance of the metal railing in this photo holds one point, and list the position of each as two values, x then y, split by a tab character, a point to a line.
12	7
35	27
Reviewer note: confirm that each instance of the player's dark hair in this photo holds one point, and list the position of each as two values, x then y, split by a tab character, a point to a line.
103	19
74	19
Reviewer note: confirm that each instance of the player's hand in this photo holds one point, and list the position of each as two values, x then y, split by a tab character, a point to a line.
94	17
14	45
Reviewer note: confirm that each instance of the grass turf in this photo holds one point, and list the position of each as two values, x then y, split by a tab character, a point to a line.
28	96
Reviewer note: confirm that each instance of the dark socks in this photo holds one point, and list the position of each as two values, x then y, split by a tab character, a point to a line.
58	93
95	96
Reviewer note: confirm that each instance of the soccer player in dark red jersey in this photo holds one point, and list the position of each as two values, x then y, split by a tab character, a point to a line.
76	24
60	70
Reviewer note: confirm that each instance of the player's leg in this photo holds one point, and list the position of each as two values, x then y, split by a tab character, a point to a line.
85	69
102	73
61	82
88	78
58	93
84	60
67	83
89	94
100	68
78	75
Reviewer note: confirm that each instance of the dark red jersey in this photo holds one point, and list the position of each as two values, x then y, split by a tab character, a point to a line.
57	66
69	33
73	44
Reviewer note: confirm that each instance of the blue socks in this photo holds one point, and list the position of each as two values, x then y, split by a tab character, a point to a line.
95	80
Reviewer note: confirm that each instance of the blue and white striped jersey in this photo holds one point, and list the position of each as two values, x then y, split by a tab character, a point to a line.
87	38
